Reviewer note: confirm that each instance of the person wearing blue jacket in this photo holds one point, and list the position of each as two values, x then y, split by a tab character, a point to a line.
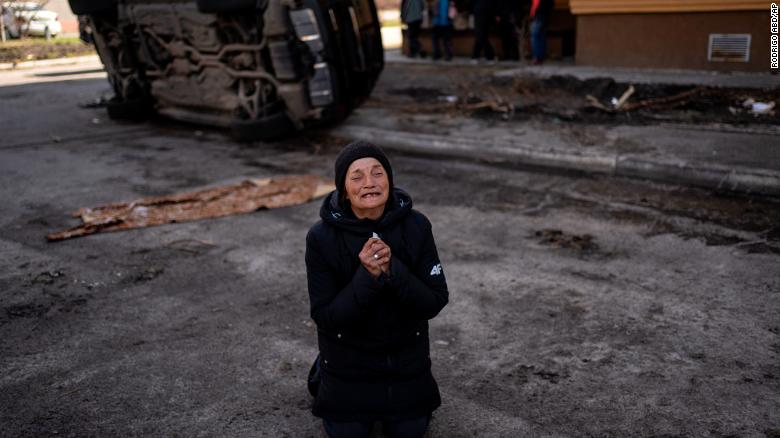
442	13
375	280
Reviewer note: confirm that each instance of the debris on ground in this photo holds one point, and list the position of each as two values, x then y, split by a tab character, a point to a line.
564	97
244	197
494	101
98	102
759	108
48	277
449	99
191	246
468	101
617	104
148	274
666	102
557	238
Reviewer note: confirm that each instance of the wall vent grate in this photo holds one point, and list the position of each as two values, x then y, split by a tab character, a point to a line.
729	47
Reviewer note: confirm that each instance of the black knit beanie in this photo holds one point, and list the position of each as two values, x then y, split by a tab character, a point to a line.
355	151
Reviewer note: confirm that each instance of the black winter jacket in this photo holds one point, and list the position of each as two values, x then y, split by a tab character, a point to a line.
373	333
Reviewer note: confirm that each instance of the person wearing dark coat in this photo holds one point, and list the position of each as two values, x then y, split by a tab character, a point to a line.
374	280
485	12
507	29
412	17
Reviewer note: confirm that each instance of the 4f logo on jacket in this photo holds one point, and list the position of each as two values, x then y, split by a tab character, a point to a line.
436	270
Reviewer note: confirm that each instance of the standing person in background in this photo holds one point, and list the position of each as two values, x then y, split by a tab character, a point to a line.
507	29
412	16
443	12
540	16
484	16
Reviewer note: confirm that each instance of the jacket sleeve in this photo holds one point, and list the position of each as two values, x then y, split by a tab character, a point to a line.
331	307
422	289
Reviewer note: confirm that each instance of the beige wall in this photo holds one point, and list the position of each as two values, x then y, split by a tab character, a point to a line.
61	7
668	40
69	21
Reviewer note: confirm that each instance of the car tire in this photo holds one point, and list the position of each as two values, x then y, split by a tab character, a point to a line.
212	6
92	7
273	127
138	109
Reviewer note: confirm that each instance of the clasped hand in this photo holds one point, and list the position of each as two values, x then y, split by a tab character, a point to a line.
375	257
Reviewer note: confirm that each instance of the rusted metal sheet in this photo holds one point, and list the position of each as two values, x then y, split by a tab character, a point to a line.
244	197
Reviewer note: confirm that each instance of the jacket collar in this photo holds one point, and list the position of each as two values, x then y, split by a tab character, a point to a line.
399	204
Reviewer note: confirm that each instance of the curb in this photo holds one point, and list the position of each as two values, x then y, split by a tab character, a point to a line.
503	151
650	76
510	69
711	176
49	62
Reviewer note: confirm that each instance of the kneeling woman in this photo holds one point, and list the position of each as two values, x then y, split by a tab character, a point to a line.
374	281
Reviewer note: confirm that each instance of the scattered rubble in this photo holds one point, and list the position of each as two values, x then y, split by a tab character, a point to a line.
48	277
597	100
193	247
654	103
557	238
759	108
245	197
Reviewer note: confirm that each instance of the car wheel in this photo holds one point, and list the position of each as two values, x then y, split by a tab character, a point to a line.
273	127
138	109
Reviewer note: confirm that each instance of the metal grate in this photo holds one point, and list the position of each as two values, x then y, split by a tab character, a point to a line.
729	47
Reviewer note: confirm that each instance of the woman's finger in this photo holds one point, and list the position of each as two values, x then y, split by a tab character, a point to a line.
369	243
367	259
377	246
381	255
380	261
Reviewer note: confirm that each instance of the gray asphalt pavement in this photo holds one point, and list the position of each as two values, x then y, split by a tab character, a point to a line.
581	304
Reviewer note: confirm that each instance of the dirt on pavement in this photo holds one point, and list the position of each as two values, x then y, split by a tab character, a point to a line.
475	91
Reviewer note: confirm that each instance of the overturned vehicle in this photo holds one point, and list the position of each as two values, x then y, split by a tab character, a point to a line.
260	67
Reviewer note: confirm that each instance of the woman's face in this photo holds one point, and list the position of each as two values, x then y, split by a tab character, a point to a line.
367	187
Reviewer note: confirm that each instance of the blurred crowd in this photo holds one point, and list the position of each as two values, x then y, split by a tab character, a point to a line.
510	19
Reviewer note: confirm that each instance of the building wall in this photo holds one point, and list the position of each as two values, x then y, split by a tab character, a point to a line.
70	24
651	6
668	40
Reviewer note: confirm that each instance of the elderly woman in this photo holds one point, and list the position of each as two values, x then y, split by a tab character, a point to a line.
374	281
